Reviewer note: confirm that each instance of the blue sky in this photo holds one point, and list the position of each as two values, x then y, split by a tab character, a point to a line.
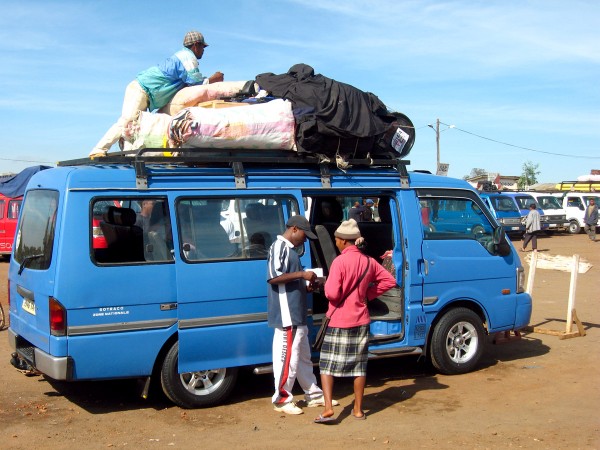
523	73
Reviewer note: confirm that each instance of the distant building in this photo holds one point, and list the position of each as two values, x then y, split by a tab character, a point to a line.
500	182
6	176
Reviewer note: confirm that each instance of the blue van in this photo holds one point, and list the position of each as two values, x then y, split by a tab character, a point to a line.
523	202
505	211
171	295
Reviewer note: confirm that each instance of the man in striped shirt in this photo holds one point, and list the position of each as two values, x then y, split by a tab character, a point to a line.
287	312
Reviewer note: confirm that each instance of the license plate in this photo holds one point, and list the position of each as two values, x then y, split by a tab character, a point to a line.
29	306
515	228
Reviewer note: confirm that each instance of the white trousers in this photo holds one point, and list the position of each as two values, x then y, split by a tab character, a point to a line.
291	362
135	100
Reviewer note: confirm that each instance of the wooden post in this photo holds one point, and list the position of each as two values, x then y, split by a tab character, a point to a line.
531	275
572	290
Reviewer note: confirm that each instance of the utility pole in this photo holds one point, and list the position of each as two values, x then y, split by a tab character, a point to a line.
440	169
437	142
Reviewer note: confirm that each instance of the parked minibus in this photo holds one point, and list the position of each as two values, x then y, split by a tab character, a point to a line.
172	298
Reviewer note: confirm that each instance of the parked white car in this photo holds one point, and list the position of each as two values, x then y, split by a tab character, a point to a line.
574	203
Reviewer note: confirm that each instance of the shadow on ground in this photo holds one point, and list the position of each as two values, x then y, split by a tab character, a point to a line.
102	397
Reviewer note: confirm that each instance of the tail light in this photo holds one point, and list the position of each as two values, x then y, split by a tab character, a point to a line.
58	318
98	239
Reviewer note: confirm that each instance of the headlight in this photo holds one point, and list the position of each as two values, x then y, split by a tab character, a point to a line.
520	280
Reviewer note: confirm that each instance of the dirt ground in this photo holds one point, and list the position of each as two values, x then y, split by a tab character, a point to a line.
537	392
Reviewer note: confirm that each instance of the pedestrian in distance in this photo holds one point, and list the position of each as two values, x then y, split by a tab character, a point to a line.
367	215
532	227
153	88
354	279
590	219
356	212
286	314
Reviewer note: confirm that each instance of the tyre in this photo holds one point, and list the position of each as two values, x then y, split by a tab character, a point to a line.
2	318
457	342
195	389
574	227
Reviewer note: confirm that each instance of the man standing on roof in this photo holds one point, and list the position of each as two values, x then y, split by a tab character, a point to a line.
153	88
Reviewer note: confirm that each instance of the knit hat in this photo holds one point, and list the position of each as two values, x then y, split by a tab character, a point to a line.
193	37
348	230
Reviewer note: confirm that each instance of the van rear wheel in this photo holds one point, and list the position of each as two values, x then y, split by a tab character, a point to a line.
457	342
195	389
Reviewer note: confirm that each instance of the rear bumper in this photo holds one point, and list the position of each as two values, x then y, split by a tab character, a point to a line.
58	368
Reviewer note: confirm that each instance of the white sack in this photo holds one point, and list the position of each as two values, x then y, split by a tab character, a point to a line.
267	126
193	95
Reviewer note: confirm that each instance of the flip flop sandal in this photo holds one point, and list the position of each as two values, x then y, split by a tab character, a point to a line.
324	420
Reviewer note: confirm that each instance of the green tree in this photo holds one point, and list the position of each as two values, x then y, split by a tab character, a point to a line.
474	173
529	175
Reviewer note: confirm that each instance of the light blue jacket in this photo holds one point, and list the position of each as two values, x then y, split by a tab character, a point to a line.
162	82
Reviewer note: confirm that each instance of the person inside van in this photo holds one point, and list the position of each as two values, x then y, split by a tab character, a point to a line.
145	214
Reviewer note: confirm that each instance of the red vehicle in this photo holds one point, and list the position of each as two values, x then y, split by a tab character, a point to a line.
9	213
99	241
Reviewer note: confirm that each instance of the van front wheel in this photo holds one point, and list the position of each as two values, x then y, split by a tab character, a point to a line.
195	389
457	342
574	227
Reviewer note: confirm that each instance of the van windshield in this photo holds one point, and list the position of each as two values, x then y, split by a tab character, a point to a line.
525	201
35	236
504	204
549	202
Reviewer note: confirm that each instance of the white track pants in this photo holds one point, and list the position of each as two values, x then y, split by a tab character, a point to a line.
135	100
291	362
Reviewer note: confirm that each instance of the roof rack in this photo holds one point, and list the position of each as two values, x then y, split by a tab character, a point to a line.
236	158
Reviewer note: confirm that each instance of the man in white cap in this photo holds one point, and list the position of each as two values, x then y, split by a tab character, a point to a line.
153	88
287	312
354	279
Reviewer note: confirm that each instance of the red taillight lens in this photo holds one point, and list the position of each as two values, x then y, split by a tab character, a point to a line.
58	318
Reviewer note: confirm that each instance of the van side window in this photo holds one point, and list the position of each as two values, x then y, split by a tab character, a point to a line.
14	206
231	228
35	237
574	202
454	218
126	230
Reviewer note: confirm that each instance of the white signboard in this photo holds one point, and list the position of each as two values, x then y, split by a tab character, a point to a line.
442	169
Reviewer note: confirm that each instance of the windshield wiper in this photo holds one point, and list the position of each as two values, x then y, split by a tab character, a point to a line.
28	259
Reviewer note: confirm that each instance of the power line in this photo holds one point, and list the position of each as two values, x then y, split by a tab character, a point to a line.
27	160
523	148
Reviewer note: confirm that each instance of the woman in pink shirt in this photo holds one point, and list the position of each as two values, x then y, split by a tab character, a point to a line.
354	278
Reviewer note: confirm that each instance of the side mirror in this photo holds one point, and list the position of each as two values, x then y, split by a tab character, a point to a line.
499	235
501	245
581	207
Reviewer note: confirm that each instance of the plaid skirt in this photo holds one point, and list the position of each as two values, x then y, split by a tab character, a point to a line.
345	352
